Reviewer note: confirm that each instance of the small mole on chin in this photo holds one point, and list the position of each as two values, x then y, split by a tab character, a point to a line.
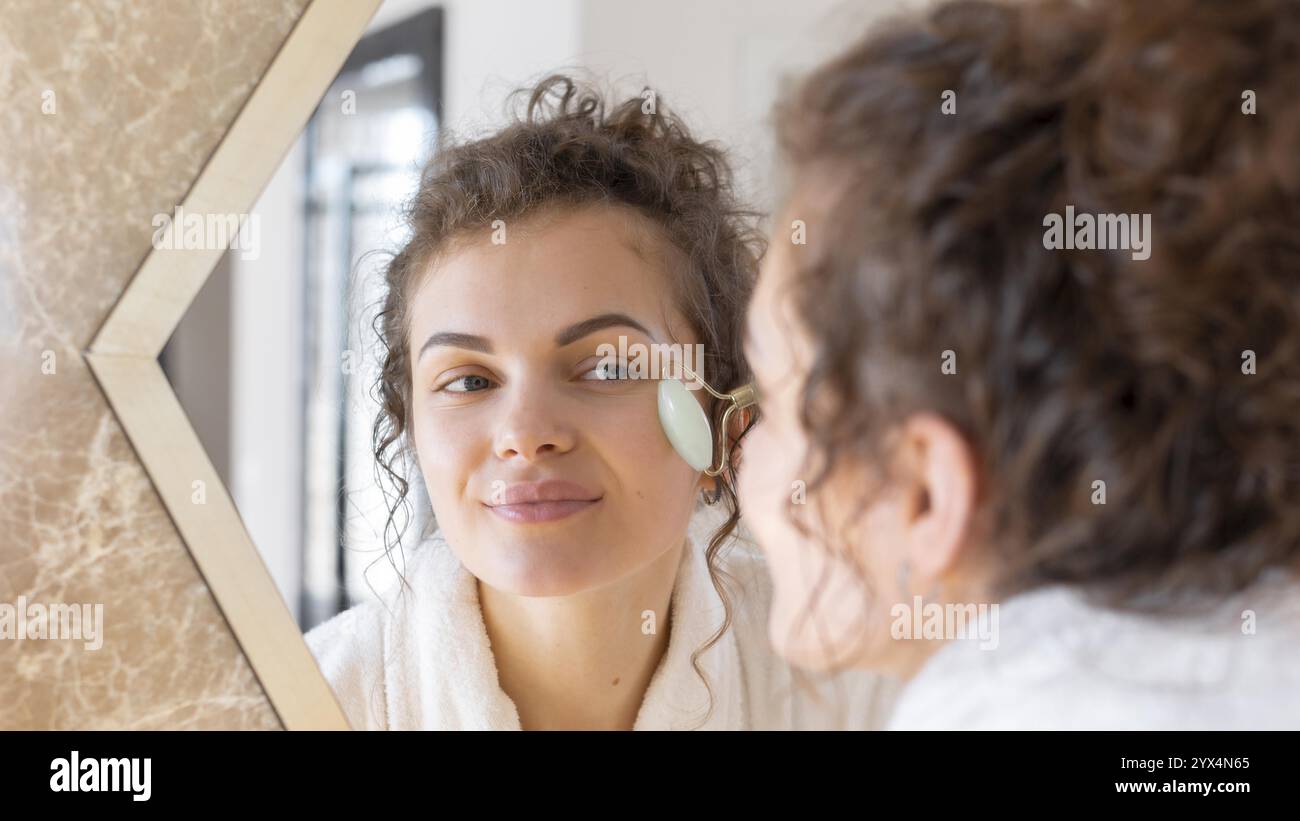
615	681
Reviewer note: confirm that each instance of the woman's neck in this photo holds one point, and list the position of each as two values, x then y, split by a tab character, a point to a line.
582	662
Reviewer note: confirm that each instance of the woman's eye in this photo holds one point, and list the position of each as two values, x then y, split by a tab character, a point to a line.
606	371
467	384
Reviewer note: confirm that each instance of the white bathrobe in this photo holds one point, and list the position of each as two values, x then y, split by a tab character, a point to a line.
1061	663
424	661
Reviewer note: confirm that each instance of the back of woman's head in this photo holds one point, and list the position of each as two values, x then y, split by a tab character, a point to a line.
1170	373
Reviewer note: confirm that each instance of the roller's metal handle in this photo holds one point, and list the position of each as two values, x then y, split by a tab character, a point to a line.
739	399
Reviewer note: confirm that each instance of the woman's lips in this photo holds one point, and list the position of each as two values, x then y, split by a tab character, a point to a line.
546	501
528	512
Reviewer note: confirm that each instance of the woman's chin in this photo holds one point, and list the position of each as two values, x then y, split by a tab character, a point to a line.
539	571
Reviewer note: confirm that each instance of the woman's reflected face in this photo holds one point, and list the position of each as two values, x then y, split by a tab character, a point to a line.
547	472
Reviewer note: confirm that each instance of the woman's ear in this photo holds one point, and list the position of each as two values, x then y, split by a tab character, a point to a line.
942	483
739	421
736	425
707	484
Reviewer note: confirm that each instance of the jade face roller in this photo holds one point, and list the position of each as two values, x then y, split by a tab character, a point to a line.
687	425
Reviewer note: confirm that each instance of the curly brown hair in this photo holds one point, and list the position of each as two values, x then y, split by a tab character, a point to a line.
1081	365
568	149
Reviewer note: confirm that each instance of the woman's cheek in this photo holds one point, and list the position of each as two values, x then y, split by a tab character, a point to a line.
628	433
636	450
446	446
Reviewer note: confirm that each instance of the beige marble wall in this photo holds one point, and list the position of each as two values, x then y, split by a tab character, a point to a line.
142	92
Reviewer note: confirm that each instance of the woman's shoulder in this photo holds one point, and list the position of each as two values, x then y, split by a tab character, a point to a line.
349	652
348	636
356	648
1065	663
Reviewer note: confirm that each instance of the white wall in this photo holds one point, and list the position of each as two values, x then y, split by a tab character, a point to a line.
493	47
719	63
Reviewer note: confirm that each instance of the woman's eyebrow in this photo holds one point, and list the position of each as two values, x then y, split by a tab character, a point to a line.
573	333
470	342
578	330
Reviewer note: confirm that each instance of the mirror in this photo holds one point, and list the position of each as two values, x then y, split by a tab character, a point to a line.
277	361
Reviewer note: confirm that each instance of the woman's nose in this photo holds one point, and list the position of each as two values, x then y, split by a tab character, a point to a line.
530	427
